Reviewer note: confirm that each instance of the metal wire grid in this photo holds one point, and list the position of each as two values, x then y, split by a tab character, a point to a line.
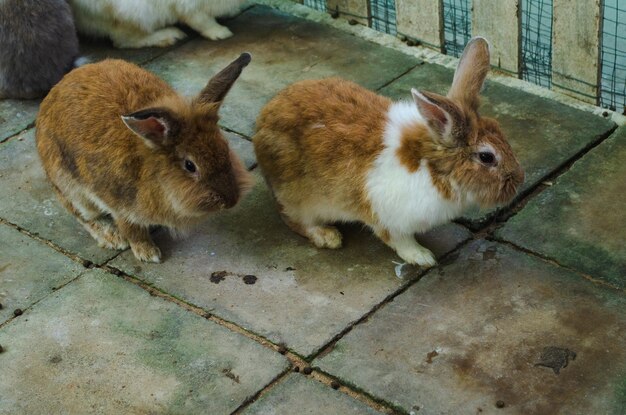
457	25
384	15
536	65
613	56
316	4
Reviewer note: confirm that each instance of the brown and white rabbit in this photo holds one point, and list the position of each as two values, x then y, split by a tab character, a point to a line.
124	152
333	151
143	23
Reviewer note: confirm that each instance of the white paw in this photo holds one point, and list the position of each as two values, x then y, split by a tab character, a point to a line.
217	32
146	252
418	255
166	37
325	236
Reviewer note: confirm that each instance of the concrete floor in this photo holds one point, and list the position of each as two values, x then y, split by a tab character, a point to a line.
526	313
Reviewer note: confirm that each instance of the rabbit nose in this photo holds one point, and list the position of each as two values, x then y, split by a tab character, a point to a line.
229	200
228	195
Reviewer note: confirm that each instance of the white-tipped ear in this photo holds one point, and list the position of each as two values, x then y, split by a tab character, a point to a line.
436	117
471	73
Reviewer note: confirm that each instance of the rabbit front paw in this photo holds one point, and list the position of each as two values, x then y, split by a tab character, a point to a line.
146	251
418	255
106	234
217	32
325	236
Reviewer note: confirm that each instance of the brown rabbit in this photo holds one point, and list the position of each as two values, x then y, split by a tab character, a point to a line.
333	151
124	152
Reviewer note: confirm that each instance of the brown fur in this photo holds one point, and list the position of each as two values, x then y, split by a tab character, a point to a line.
87	151
307	162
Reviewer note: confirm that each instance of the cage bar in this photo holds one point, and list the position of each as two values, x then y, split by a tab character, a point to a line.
536	59
457	25
384	16
316	4
613	60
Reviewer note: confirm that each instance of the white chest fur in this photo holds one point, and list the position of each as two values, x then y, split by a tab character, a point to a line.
404	201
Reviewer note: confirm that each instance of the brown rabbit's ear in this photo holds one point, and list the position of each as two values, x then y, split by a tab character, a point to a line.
471	73
220	84
438	114
154	125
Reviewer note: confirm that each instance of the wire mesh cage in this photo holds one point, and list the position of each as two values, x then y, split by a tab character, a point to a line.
613	56
549	38
457	25
536	56
384	15
316	4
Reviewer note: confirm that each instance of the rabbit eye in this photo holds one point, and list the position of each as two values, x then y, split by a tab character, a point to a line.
189	166
486	158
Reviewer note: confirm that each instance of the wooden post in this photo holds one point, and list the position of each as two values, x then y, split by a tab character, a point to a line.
576	28
499	22
421	20
351	9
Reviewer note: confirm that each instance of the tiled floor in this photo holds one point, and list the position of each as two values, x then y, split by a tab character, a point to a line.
237	310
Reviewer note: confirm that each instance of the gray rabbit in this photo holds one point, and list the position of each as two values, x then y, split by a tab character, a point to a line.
38	45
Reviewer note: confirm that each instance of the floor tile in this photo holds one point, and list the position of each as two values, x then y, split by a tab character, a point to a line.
103	345
579	221
472	333
29	271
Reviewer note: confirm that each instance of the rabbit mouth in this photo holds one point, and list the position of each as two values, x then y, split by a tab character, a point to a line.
510	187
217	202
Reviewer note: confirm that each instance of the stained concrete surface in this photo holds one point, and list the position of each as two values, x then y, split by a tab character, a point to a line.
494	322
29	271
103	345
471	333
579	221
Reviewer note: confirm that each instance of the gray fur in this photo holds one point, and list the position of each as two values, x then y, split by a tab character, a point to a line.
38	45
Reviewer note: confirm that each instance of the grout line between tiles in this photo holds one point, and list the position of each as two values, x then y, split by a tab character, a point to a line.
26	128
54	290
386	84
556	263
330	345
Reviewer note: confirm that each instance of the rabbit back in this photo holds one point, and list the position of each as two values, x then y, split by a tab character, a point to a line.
82	140
315	142
38	45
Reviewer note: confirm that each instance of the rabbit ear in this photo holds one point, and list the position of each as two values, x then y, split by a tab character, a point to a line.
154	125
220	84
471	73
435	114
